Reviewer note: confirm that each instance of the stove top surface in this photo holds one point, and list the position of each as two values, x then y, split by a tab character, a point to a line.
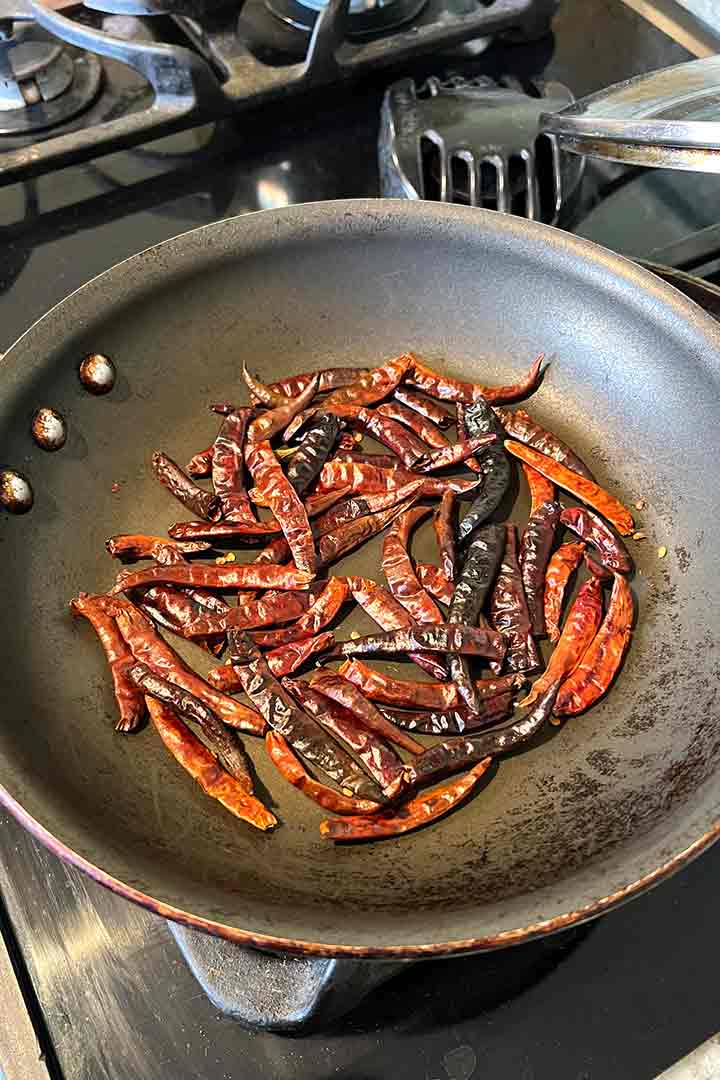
108	990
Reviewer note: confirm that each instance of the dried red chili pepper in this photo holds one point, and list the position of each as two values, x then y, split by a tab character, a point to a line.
535	548
202	503
472	588
409	694
424	406
197	760
433	580
372	386
411	451
446	388
228	466
280	661
357	457
586	491
226	578
221	740
297	422
265	394
389	614
329	379
580	628
454	455
320	614
612	552
269	423
541	490
453	721
133	546
415	813
428	432
284	502
594	673
523	428
479	419
442	638
509	611
200	464
130	701
398	569
313	451
458	753
253	611
177	610
288	765
223	530
377	758
150	648
596	569
562	565
347	537
333	685
444	527
370	479
282	714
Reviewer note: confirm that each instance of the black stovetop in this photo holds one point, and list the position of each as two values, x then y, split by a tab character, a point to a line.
108	989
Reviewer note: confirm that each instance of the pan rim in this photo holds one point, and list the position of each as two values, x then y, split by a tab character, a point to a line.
620	267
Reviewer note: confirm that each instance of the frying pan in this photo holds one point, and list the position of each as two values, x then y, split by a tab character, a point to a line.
587	817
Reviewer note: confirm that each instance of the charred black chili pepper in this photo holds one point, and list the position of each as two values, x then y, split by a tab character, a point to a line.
442	637
509	611
313	451
282	714
479	419
471	590
453	721
535	548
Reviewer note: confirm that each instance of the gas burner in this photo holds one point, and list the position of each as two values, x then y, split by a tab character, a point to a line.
41	84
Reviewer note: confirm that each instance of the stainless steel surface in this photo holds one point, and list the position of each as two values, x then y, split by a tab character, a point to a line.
20	1053
476	142
668	118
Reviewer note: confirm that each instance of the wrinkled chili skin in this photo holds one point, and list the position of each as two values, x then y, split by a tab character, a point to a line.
177	610
412	815
333	685
372	386
228	465
458	753
297	422
202	503
200	464
389	614
370	479
312	453
133	546
329	379
406	446
433	580
509	611
322	612
584	490
263	393
522	427
444	527
269	423
130	700
289	766
562	565
445	388
288	658
284	502
535	548
399	571
347	537
601	660
479	419
252	611
442	638
282	714
478	574
222	741
541	490
580	628
463	450
611	551
199	763
377	758
425	407
453	721
251	532
409	694
428	432
226	578
380	461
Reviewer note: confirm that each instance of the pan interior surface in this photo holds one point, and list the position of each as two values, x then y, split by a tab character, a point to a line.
633	385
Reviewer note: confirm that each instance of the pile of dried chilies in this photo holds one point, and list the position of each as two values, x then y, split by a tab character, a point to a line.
493	594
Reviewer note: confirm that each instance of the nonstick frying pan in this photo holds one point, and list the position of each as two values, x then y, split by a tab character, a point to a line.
585	818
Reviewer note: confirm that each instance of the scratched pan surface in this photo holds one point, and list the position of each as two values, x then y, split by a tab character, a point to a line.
609	805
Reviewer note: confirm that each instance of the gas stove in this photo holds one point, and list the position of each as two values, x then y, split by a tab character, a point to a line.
99	987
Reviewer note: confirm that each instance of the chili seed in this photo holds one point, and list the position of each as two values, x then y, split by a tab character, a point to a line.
662	552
